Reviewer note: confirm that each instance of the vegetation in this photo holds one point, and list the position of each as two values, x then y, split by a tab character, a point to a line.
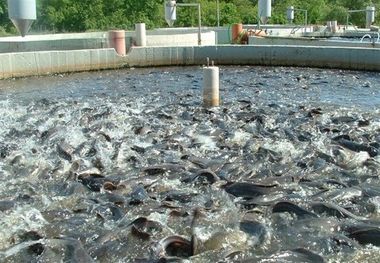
90	15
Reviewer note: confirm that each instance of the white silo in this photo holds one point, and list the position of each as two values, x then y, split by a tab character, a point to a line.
290	14
265	10
170	12
22	13
370	16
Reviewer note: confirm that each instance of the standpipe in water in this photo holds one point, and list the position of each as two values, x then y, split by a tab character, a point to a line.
211	85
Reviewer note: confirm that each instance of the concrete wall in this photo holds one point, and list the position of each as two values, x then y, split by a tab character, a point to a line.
45	62
324	57
72	41
309	42
95	40
23	64
171	38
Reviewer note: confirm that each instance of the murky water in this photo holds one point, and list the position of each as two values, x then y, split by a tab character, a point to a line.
127	165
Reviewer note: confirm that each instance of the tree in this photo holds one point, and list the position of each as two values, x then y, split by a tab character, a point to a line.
84	15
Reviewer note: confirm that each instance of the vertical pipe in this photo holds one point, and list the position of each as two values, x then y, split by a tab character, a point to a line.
236	29
218	12
211	86
140	34
117	41
305	21
199	25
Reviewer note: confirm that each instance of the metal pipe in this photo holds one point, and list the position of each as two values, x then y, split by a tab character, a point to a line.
353	11
305	11
199	19
218	12
199	25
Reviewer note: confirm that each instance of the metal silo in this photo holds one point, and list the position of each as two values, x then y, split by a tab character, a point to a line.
22	13
265	10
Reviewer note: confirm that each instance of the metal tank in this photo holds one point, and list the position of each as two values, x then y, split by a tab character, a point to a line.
290	14
370	16
170	12
265	10
22	13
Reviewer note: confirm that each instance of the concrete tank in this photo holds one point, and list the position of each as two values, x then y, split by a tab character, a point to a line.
22	13
170	12
265	10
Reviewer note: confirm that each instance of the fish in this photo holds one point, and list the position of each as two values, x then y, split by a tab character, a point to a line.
65	151
6	205
331	209
248	190
144	228
285	206
173	246
254	229
366	236
358	147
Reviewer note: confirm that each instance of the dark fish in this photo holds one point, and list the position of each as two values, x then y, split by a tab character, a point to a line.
5	150
144	228
138	149
73	251
175	246
204	163
110	249
92	182
255	229
163	168
109	212
343	119
325	157
298	255
363	123
115	198
358	147
6	205
206	176
291	208
248	190
34	249
179	197
370	190
308	255
339	242
314	112
138	195
266	154
331	209
65	151
366	236
105	136
48	250
48	133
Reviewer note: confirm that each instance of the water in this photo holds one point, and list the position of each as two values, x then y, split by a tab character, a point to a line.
84	155
335	87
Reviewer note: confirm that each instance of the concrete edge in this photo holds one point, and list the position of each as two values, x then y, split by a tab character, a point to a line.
52	62
280	55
